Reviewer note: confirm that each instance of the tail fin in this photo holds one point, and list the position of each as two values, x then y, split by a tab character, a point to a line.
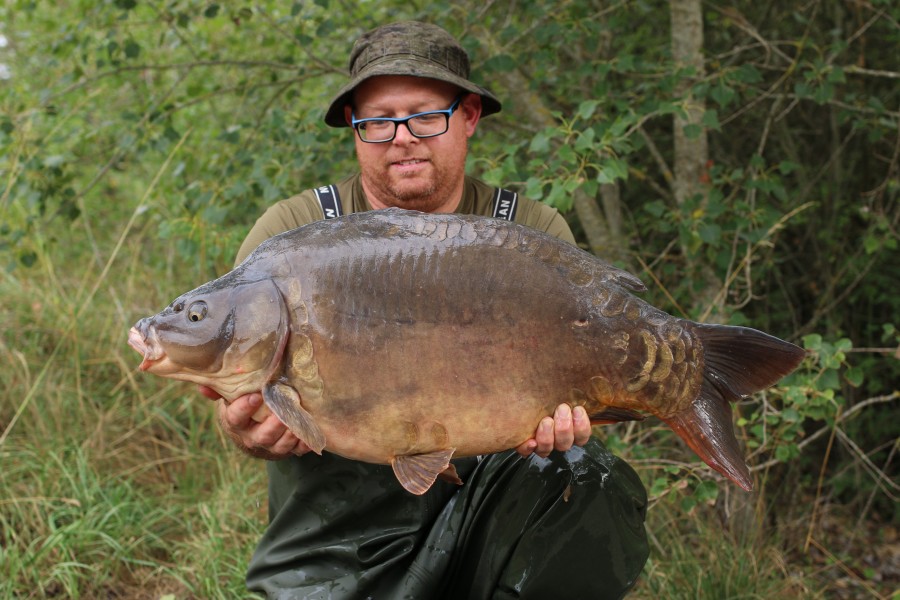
738	362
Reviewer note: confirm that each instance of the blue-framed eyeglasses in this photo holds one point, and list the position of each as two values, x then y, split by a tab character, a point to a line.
422	125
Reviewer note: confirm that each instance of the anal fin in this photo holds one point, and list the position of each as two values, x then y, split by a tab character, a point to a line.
614	414
417	472
284	401
450	475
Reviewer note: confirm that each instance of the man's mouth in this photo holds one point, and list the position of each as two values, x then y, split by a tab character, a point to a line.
408	162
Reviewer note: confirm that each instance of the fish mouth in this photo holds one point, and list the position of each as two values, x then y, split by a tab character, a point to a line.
151	352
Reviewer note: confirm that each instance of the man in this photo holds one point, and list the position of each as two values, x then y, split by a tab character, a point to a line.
529	523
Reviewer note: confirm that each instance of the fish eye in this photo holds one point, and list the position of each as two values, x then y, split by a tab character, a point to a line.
197	311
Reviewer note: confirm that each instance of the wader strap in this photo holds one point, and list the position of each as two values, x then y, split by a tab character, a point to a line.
329	200
505	204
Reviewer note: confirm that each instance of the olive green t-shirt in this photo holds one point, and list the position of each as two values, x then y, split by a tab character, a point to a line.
477	199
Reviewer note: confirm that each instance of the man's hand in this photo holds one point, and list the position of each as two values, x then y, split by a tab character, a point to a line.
269	439
565	429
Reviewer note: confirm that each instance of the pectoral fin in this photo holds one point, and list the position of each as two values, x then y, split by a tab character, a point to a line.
284	401
613	414
417	472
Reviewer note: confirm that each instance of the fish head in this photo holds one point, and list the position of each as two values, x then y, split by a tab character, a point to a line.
226	335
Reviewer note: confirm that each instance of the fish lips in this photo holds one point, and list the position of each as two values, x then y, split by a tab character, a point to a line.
143	339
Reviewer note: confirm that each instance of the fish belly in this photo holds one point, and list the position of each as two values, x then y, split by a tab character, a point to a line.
448	343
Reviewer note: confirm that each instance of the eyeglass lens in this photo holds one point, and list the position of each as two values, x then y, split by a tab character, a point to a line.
426	125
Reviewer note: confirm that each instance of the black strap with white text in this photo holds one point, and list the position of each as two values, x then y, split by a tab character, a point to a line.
505	204
329	200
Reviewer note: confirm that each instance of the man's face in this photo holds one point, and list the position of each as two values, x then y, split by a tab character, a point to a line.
410	172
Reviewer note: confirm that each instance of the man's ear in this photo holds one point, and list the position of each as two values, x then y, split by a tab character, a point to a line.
348	114
471	110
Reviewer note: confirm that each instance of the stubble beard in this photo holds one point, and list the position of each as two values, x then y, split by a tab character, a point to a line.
415	193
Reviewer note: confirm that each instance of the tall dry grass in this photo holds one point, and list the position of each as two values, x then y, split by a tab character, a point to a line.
112	484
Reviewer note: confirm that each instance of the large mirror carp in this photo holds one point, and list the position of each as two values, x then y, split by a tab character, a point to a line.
404	338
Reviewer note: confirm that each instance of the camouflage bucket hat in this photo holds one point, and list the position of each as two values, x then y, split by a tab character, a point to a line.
408	48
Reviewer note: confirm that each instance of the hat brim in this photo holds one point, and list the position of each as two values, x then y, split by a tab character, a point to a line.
411	68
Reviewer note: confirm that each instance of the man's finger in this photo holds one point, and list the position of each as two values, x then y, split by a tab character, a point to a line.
238	414
527	448
285	444
544	437
267	434
563	433
582	425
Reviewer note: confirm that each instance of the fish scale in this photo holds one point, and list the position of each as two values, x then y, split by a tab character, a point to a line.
408	339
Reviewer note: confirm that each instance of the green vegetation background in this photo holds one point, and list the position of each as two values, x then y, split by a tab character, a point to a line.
139	140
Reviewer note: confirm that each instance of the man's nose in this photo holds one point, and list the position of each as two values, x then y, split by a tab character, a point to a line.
403	135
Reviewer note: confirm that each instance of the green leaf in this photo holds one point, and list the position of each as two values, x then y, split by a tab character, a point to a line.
586	109
710	233
540	143
566	154
722	94
855	376
534	188
784	453
843	345
656	208
803	90
812	341
611	170
871	244
660	485
707	492
211	11
692	131
132	49
829	380
711	119
585	140
747	73
836	75
786	167
557	194
28	258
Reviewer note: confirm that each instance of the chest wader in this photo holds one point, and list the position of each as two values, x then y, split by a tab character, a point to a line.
503	206
570	525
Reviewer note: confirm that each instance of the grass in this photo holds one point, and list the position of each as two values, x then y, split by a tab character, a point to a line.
114	484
